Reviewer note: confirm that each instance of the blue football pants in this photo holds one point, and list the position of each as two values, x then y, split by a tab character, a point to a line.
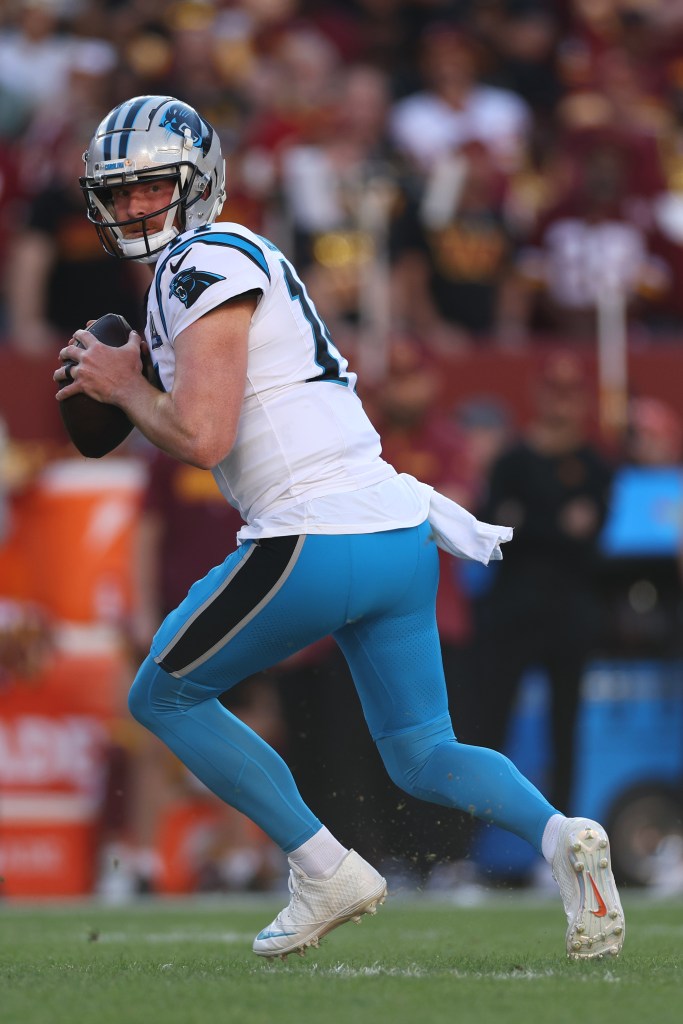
375	593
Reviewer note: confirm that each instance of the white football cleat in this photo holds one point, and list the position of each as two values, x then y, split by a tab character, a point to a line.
320	904
583	871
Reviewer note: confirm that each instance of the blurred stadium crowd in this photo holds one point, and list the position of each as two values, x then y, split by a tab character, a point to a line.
453	179
506	160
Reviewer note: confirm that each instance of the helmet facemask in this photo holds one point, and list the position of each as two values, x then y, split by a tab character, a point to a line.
188	189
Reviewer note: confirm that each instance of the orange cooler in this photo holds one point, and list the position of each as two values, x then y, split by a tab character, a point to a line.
73	535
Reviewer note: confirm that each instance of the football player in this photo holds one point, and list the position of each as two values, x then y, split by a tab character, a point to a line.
335	542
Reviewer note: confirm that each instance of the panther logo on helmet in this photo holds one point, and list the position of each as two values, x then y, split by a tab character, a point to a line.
177	118
190	283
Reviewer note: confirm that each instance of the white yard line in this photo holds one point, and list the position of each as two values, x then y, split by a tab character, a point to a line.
173	936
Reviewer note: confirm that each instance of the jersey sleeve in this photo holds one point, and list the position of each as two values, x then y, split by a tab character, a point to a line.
205	270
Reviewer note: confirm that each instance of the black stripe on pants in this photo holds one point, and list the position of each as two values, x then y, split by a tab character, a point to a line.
253	582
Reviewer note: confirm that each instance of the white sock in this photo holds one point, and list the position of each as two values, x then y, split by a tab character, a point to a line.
550	836
319	856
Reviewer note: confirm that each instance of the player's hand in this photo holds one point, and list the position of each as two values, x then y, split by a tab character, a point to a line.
103	372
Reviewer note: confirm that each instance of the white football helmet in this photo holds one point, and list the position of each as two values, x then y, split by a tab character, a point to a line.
153	137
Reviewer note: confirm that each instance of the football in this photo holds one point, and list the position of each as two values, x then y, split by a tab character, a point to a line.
96	428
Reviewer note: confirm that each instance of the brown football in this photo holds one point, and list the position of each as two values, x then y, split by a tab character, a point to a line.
96	428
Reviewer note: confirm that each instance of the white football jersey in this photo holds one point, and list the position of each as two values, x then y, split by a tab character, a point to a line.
303	435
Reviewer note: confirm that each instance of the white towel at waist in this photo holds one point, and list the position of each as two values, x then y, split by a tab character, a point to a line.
460	533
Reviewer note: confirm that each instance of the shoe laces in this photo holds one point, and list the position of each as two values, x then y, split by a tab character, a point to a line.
295	884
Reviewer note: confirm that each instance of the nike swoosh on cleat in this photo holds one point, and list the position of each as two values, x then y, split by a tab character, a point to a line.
602	908
273	935
175	267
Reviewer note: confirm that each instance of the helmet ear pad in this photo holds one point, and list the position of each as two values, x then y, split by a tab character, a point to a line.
207	206
153	136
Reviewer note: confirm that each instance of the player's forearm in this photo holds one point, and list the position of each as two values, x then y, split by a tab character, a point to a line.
187	433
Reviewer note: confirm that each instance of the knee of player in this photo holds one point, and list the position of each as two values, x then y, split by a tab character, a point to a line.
140	698
407	754
138	703
401	775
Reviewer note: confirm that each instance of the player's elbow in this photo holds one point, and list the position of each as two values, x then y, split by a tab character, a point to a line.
207	449
204	432
202	460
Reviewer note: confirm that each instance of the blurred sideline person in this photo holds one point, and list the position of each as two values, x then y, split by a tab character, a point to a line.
335	542
552	486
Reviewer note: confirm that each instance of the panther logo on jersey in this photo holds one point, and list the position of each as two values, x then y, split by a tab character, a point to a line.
190	283
177	118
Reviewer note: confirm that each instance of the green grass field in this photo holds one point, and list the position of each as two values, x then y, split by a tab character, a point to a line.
416	961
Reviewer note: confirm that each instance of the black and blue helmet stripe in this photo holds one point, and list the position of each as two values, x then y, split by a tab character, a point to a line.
117	135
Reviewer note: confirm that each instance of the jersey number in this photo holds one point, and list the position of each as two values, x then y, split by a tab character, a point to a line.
326	355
